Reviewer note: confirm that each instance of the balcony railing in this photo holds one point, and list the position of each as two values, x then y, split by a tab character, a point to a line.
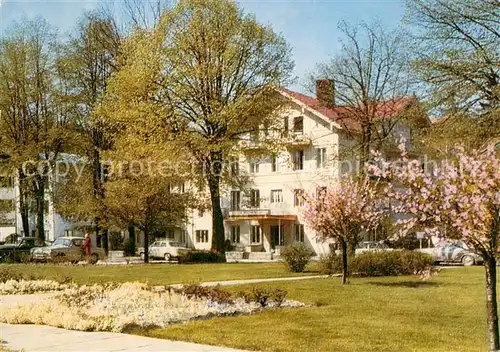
290	138
250	212
266	209
298	139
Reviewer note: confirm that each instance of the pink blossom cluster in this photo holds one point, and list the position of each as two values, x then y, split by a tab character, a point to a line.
461	194
343	209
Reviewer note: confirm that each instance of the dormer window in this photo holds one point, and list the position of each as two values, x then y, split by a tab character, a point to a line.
298	124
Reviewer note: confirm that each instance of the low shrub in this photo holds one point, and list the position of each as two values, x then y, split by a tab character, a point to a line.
391	263
215	294
330	264
199	256
297	256
263	296
379	263
6	275
26	287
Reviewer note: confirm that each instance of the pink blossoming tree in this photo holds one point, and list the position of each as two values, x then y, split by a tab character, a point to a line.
461	194
342	211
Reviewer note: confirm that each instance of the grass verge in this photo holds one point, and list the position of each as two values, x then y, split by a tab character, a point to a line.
444	314
155	274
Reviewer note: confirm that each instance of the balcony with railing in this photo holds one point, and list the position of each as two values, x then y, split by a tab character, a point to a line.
259	140
265	210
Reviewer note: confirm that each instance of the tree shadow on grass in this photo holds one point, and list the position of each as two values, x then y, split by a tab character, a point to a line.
409	284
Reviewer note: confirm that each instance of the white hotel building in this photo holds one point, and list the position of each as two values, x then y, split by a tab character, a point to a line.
266	218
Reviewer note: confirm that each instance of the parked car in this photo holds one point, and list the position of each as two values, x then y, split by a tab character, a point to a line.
66	249
163	249
369	246
16	251
456	253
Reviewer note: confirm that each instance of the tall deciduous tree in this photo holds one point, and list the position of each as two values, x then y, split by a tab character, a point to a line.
33	122
89	59
457	58
458	55
370	75
462	194
342	211
215	76
139	192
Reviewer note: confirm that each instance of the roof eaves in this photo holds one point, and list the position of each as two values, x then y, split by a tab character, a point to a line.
317	113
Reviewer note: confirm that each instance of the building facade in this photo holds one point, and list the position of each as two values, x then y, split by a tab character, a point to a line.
266	217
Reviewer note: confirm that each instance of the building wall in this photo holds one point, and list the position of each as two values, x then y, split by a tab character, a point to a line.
321	135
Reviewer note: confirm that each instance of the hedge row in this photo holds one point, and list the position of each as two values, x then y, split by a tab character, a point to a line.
378	263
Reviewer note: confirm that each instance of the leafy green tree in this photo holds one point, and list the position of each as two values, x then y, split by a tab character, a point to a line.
88	60
34	125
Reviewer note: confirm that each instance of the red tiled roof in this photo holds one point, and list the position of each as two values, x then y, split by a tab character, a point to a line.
346	115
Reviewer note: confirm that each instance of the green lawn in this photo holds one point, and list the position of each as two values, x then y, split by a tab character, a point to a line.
444	314
155	273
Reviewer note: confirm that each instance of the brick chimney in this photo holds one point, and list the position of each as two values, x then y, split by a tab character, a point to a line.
325	92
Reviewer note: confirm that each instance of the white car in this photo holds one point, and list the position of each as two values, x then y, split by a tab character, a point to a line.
163	249
454	253
370	246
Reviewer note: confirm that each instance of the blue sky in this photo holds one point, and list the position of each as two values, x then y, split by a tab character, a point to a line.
309	26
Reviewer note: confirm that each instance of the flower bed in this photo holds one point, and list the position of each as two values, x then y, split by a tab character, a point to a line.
25	287
116	307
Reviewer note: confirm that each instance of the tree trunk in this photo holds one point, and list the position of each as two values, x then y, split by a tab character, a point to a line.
98	188
351	246
40	208
490	267
146	244
214	174
366	140
105	242
97	230
23	203
131	239
344	262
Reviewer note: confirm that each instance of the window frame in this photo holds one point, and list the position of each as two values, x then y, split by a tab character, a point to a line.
235	201
321	158
254	166
255	234
274	163
320	190
298	159
298	197
254	198
298	124
201	236
276	200
286	124
235	234
235	168
299	233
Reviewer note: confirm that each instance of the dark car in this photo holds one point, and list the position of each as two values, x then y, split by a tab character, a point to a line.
15	252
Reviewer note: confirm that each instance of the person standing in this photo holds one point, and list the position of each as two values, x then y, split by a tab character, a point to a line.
87	243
